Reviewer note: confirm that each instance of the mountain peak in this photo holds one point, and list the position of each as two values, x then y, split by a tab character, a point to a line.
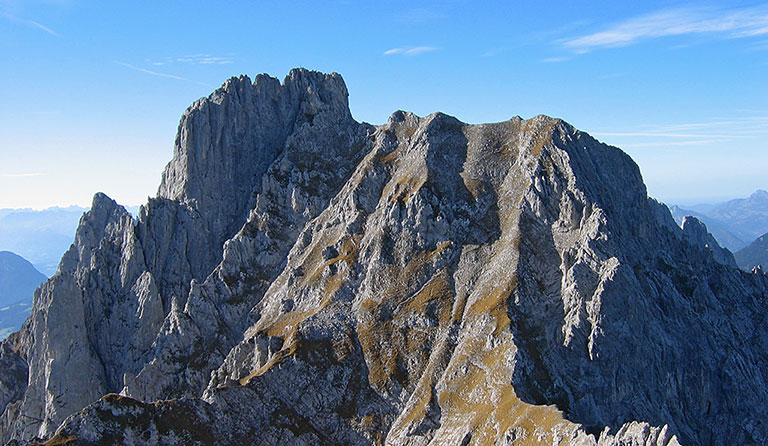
425	281
226	140
102	201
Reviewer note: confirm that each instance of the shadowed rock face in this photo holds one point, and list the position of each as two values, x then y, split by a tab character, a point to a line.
306	279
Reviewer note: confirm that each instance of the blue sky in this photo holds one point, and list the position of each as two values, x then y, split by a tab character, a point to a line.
92	91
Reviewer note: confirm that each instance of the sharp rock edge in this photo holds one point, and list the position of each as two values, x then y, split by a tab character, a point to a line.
302	278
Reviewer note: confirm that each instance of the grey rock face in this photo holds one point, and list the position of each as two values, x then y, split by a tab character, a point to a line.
306	279
697	235
86	322
14	377
141	280
315	160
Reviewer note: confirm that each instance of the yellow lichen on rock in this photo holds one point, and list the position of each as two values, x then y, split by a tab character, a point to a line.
477	393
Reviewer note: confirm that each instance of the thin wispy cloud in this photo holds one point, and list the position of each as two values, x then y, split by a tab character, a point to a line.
651	139
662	135
556	59
156	73
30	23
410	51
492	52
750	126
733	130
196	59
698	142
733	23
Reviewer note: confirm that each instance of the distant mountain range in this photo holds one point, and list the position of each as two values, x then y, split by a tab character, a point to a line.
13	316
18	281
41	236
735	223
755	254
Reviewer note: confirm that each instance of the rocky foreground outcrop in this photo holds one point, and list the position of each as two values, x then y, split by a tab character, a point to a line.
303	278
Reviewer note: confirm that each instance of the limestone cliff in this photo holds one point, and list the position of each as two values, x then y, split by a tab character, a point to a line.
302	278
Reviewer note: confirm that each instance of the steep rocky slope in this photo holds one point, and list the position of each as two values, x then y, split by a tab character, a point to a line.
302	278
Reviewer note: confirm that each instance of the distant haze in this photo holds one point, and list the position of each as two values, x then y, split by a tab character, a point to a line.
734	223
18	281
41	236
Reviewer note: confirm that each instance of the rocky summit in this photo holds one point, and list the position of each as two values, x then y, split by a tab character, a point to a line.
305	279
